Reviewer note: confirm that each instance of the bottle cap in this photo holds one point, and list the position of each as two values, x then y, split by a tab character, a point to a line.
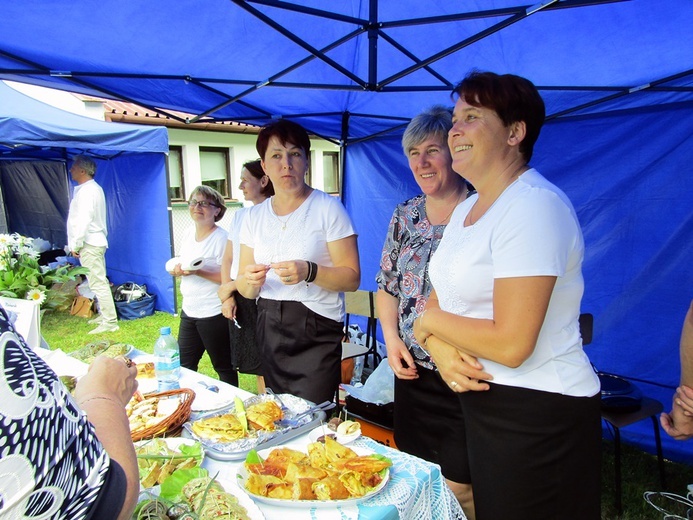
165	330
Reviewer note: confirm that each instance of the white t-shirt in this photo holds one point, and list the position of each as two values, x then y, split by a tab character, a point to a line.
301	235
235	238
200	299
531	230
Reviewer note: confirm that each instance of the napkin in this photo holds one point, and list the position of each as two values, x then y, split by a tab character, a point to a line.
187	264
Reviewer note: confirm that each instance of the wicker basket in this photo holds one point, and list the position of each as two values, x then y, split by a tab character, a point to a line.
171	424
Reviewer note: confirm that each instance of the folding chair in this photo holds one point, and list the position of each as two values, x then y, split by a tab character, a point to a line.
618	419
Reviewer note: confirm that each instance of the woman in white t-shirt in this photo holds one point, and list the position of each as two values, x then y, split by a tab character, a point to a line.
298	255
507	280
202	325
239	310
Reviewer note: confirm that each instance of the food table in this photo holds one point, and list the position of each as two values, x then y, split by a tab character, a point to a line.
415	489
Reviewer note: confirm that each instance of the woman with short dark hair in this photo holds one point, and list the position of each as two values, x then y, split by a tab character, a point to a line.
298	256
507	280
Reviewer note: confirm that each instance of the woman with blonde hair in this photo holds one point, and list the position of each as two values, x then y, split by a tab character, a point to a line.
202	325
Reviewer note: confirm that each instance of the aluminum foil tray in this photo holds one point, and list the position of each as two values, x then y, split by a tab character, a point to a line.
238	449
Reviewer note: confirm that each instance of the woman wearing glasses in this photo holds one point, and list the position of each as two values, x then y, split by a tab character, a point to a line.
202	325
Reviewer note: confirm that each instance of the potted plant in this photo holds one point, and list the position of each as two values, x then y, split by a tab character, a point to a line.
21	275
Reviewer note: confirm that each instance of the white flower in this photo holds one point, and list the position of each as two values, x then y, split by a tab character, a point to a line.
6	240
36	295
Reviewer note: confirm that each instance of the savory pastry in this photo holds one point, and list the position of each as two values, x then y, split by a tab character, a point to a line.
263	415
303	489
145	370
295	472
260	484
221	428
147	412
330	488
335	451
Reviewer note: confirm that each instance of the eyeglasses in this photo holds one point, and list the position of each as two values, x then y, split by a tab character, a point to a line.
202	203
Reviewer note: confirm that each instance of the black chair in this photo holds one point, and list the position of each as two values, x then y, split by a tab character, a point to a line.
362	303
621	416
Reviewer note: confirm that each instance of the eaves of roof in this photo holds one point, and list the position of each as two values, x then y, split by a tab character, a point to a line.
121	112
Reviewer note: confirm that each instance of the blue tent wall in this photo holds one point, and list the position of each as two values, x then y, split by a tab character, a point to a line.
138	223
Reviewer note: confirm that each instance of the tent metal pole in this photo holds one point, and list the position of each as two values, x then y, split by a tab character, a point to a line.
342	154
372	44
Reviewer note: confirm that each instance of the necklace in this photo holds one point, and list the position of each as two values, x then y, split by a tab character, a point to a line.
469	220
283	222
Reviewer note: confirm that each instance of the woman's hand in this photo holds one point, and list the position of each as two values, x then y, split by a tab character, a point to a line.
291	272
400	360
178	271
679	422
226	290
228	308
108	378
460	371
256	274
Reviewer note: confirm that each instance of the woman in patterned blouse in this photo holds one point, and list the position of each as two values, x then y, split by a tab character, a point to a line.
427	413
64	457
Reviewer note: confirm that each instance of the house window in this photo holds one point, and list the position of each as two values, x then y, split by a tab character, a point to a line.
215	169
330	168
175	173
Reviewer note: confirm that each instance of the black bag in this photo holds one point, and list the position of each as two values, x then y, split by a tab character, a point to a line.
132	301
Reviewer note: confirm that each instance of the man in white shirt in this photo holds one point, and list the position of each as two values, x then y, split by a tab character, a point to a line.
86	238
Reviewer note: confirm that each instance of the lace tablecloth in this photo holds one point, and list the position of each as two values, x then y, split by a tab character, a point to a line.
416	491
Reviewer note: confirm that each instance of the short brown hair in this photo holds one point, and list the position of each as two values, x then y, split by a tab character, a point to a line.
513	98
213	195
287	132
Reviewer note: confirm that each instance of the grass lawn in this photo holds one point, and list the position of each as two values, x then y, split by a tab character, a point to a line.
639	470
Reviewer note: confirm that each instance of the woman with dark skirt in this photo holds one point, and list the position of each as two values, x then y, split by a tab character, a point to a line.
239	310
298	255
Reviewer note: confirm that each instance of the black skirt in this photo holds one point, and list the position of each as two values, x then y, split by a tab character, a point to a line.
429	423
301	350
245	354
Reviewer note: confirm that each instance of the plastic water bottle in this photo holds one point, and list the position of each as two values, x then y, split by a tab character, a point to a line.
167	361
358	371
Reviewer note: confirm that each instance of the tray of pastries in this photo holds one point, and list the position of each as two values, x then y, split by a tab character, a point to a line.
256	423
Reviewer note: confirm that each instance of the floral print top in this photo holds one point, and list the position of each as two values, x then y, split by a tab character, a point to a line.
411	241
52	466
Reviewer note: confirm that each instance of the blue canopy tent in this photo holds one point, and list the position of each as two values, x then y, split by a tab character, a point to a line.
617	78
37	143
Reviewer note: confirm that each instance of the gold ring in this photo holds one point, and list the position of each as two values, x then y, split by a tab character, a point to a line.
128	361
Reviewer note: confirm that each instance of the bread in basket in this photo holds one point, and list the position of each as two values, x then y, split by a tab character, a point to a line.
159	414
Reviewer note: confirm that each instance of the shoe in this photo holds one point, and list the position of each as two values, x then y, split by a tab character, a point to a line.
96	321
105	327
